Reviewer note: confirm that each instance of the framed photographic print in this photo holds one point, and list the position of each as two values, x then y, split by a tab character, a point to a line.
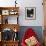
30	13
5	12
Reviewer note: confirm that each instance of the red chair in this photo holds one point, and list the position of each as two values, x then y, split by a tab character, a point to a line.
29	33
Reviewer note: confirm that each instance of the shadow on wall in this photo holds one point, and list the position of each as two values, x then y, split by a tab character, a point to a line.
37	29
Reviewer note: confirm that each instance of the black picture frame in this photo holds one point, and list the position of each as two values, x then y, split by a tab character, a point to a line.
30	13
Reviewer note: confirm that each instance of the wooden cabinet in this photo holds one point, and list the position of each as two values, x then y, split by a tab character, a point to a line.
7	25
10	43
6	12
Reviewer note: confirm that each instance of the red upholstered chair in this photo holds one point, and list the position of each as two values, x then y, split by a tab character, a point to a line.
29	33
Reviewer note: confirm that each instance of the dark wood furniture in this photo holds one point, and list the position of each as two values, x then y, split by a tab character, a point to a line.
10	43
4	13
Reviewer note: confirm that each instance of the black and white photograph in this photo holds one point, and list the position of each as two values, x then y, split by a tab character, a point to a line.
30	13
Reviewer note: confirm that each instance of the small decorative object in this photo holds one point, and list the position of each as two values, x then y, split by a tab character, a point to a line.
15	36
32	41
5	12
7	34
6	21
30	13
15	3
15	30
12	12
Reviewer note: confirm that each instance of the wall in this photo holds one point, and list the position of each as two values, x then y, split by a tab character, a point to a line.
39	13
7	3
27	3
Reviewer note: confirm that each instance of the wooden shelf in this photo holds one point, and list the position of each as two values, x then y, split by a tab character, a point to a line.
9	8
4	13
9	43
11	26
